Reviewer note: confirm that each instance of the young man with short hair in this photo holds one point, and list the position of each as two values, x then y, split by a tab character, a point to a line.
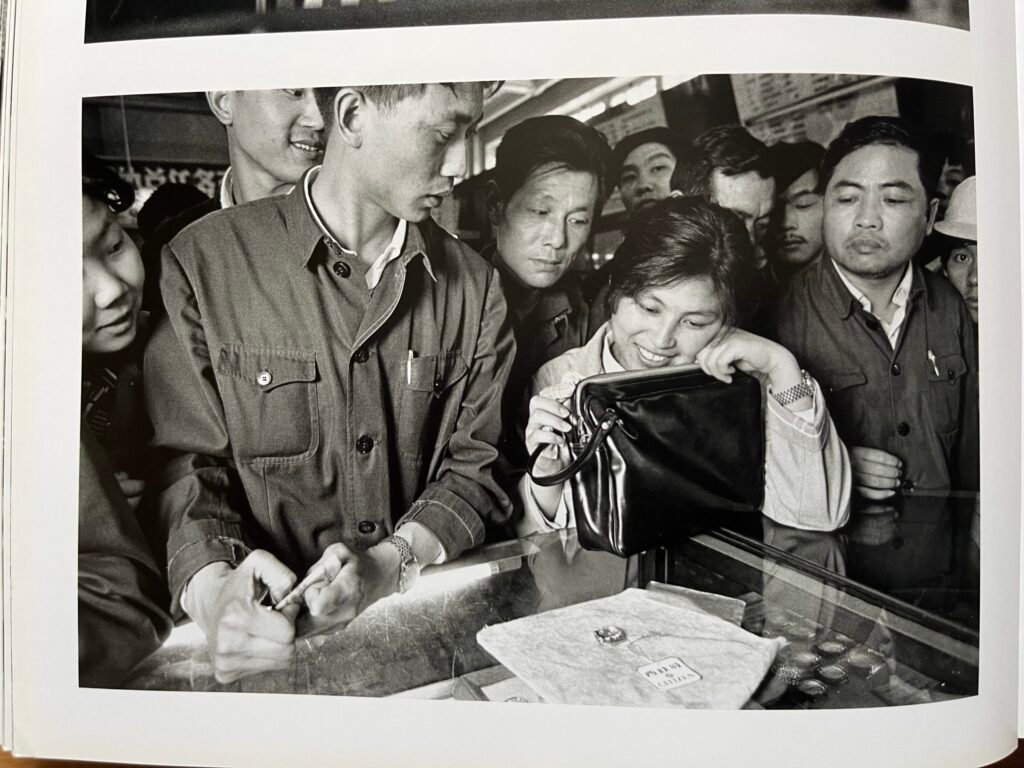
642	167
327	388
122	600
893	345
274	136
794	238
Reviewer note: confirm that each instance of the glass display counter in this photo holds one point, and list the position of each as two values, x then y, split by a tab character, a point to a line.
881	613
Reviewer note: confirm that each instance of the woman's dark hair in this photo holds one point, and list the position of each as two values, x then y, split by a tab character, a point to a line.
684	238
556	140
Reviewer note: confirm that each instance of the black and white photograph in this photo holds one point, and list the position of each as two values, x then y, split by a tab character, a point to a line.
650	391
112	20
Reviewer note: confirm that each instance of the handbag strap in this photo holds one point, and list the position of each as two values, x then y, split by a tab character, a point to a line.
608	422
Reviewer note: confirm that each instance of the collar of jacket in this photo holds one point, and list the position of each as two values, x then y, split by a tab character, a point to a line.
554	302
844	303
309	240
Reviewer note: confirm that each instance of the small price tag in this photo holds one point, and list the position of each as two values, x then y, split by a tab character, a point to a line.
668	674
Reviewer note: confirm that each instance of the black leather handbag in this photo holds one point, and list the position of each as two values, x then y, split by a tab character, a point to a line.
659	454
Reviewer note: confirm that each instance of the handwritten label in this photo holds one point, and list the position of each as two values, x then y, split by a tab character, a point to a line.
668	674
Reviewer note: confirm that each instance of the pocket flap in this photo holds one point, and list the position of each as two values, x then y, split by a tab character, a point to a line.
436	373
838	380
948	368
266	368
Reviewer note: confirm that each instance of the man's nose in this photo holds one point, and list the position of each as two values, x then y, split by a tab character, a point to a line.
972	275
107	288
554	233
311	116
453	166
868	216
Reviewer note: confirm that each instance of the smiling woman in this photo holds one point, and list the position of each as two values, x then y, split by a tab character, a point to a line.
677	288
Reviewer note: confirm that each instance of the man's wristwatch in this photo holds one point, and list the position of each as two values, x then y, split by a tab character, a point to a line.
797	391
409	567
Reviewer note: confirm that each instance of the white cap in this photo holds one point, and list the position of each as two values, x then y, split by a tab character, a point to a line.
961	219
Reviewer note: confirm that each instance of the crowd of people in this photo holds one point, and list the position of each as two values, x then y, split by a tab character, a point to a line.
327	391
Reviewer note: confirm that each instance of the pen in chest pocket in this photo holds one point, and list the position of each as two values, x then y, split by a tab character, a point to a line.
408	368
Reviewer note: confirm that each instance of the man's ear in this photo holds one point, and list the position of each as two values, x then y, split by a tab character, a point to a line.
933	213
221	104
495	205
351	110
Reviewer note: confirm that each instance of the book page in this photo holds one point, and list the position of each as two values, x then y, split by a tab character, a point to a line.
794	77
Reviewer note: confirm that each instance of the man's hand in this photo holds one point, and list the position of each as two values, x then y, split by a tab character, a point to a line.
243	636
355	580
876	474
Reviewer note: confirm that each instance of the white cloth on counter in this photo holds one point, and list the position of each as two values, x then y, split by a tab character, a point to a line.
558	655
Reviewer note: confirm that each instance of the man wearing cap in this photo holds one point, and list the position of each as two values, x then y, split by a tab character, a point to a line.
959	244
892	344
274	136
642	165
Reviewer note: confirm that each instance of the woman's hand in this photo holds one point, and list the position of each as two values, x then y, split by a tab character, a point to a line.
734	349
547	425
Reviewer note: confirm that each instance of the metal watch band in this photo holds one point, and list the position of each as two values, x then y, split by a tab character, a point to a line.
407	561
797	391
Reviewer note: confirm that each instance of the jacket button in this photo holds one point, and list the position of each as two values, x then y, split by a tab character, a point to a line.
871	323
950	374
908	485
263	378
361	355
903	429
438	385
367	526
896	370
341	269
364	444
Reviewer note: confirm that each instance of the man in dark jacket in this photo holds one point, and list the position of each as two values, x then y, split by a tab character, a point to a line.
326	388
122	600
893	345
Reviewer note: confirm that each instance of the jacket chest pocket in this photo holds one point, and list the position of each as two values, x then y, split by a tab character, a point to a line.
270	402
945	380
426	386
846	395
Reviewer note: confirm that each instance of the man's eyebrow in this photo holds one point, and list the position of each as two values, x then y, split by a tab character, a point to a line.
899	185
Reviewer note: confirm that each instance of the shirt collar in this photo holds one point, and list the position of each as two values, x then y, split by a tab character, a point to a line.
227	195
608	361
406	243
899	297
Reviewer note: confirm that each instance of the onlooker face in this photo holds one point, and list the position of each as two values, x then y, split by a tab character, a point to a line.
962	271
799	238
546	223
277	134
951	176
665	325
749	195
876	211
415	149
646	175
112	277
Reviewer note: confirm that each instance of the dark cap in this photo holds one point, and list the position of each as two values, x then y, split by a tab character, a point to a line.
791	160
660	135
100	182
